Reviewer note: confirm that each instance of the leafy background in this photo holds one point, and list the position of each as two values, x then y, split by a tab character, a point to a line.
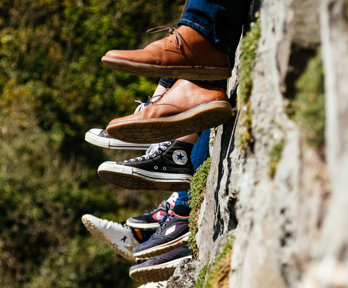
53	89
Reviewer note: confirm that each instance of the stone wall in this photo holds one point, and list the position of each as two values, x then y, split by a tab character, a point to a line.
291	223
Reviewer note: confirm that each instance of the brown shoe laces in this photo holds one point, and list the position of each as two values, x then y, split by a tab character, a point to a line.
171	30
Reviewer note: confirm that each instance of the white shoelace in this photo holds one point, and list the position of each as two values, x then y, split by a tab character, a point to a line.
152	151
141	106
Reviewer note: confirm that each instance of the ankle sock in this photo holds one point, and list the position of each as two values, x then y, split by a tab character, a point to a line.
182	210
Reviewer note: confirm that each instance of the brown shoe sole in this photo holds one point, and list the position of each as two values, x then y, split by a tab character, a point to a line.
137	182
179	72
156	273
156	130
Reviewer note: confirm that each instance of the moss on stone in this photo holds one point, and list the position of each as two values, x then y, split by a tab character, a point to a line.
197	192
249	49
308	107
274	156
201	276
215	275
245	138
219	271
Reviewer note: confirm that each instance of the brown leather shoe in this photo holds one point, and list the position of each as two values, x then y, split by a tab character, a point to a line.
188	107
183	54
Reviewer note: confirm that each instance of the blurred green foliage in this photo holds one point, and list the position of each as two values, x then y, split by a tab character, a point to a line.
53	89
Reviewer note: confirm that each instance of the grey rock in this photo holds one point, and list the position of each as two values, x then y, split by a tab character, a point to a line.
184	275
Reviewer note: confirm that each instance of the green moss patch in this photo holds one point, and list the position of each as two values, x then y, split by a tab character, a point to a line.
274	156
201	276
197	192
218	272
308	107
249	49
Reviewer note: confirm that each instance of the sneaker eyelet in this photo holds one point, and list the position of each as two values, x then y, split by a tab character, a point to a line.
164	168
147	157
156	167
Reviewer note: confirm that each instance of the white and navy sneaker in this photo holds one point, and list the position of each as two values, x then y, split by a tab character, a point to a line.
101	138
161	267
150	220
162	284
172	233
116	235
165	166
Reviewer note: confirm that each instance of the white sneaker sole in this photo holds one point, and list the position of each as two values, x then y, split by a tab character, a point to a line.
163	248
160	272
100	236
145	226
112	143
139	179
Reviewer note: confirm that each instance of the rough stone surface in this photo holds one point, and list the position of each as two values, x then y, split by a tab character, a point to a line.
184	275
291	229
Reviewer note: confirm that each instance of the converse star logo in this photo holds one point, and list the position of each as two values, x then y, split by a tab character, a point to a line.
170	230
179	157
124	239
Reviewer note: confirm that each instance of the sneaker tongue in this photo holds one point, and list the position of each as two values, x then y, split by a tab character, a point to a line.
172	199
163	204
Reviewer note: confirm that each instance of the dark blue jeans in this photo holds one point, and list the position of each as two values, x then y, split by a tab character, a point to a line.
220	21
198	155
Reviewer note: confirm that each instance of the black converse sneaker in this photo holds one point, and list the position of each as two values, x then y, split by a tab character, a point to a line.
165	166
101	138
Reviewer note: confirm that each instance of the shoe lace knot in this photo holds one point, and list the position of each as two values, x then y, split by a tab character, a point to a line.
158	148
152	151
164	221
171	30
141	105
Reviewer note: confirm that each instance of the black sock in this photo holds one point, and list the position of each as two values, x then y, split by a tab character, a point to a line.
182	210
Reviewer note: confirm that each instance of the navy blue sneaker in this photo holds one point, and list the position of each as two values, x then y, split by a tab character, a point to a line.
172	233
166	166
150	220
160	268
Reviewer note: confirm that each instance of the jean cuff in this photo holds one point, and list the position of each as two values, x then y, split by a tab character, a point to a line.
207	34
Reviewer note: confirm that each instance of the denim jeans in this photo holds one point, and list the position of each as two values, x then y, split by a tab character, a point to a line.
220	21
198	155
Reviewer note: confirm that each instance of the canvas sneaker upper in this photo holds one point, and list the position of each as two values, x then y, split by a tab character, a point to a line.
116	235
165	157
166	166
